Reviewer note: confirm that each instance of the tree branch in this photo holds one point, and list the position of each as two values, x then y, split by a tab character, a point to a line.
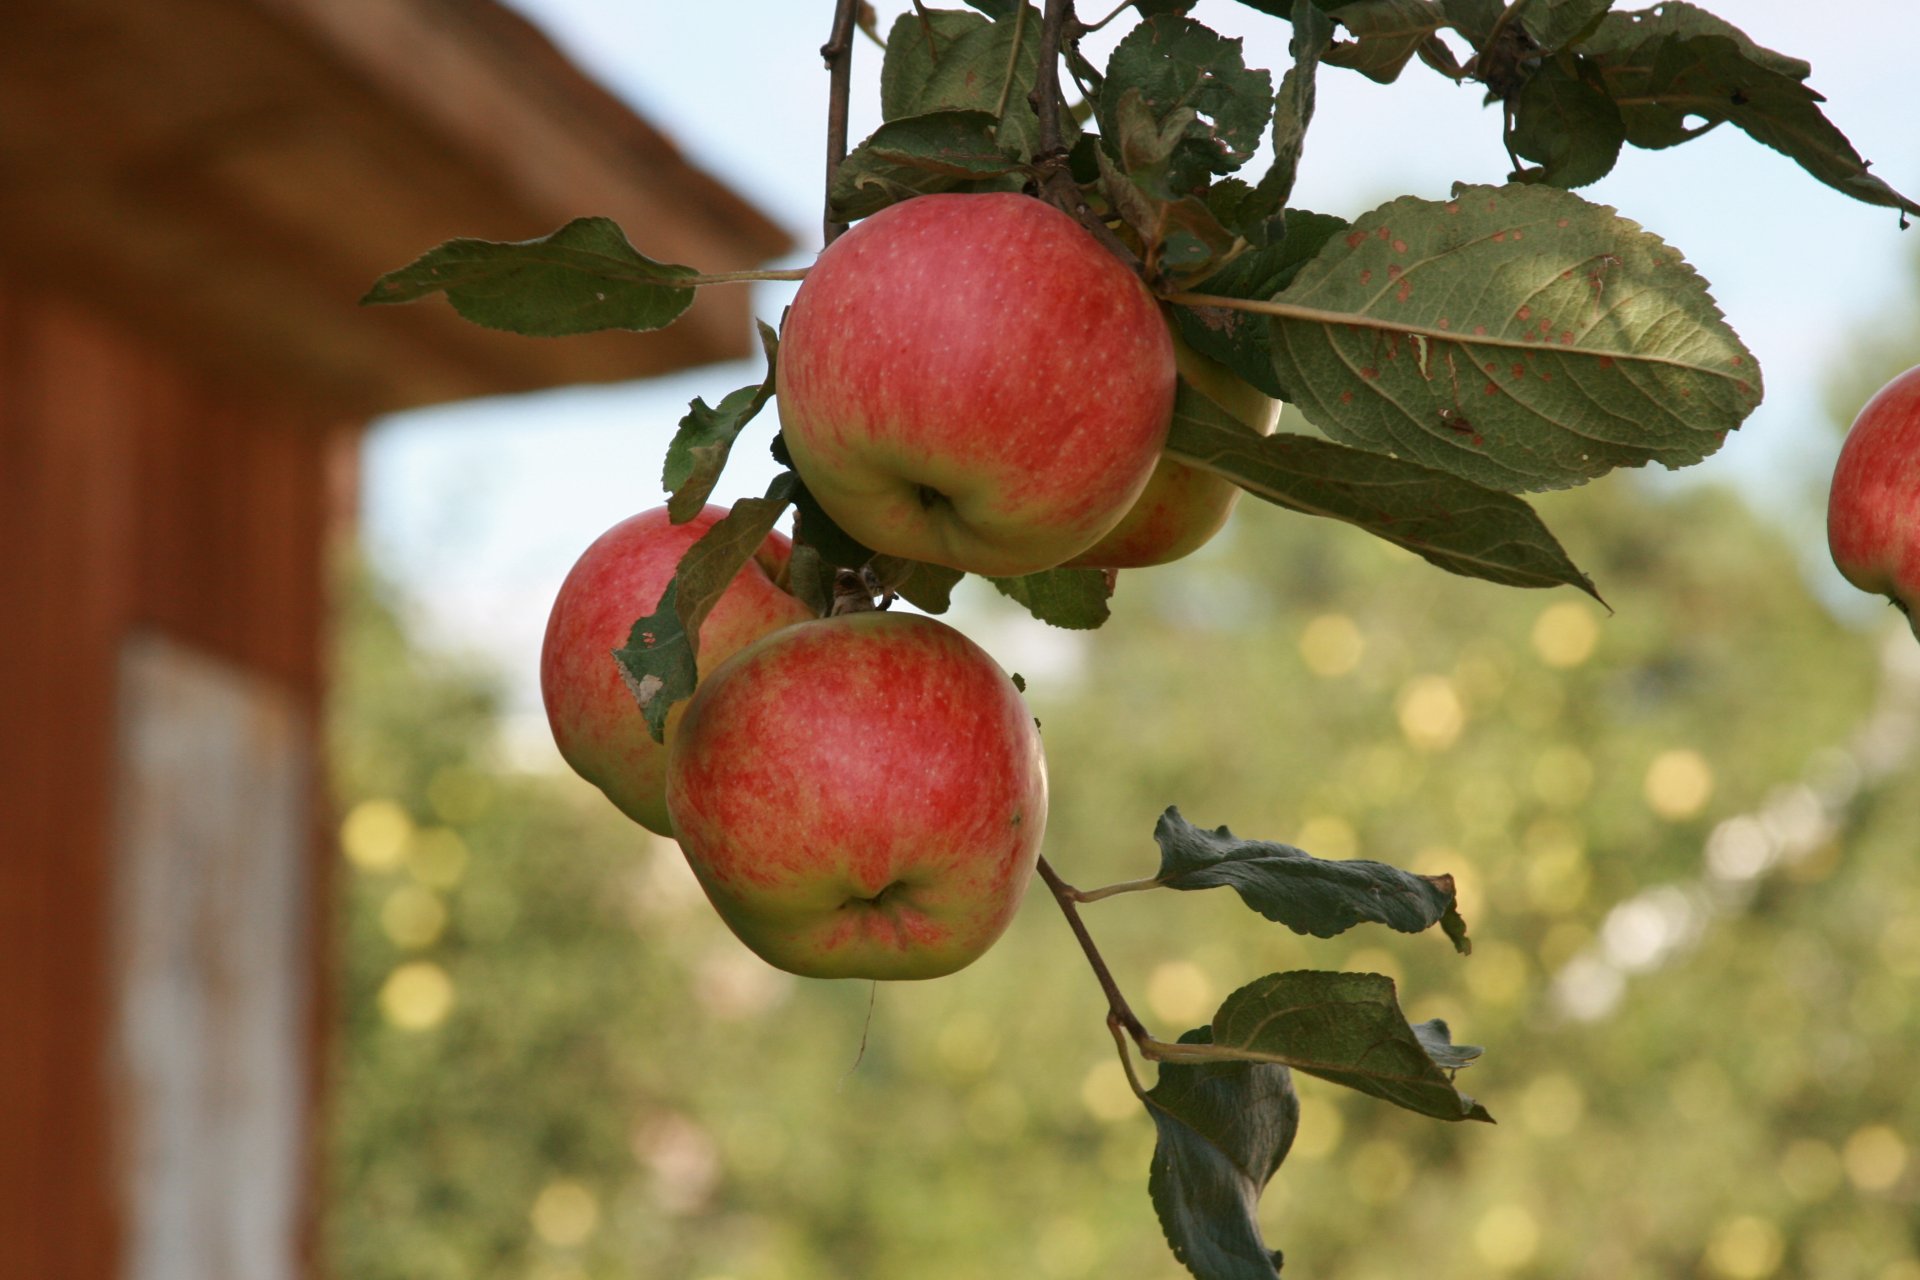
1117	1008
838	53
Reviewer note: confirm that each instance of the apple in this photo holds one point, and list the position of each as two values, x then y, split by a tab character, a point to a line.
973	381
1873	509
599	729
1182	506
861	796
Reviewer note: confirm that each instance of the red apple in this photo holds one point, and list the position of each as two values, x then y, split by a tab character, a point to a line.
599	729
1873	509
972	380
861	796
1183	507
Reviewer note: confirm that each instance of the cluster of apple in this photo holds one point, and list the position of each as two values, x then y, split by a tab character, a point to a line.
966	380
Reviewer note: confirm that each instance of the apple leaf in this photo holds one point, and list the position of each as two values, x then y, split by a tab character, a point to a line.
1342	1027
1564	119
1075	599
582	278
700	447
1308	895
1385	35
1221	1131
1191	81
1675	62
1517	336
917	156
1453	523
659	662
916	44
1474	19
1239	339
940	60
810	579
1555	24
1293	105
927	587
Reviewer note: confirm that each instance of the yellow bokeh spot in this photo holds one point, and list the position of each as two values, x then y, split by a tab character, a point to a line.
1875	1157
1553	1105
438	857
458	795
1564	635
1506	1237
1678	784
1558	875
1067	1248
1107	1094
375	835
968	1044
412	917
1810	1169
1331	645
1180	991
1320	1131
1329	836
565	1213
1745	1248
1431	713
1497	973
1562	776
417	996
1378	1172
1901	1269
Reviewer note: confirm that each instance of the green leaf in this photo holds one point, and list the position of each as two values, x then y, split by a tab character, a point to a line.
1474	19
928	587
1555	24
1518	337
917	156
813	527
958	61
916	44
1347	1028
1385	34
1221	1131
1075	599
1239	339
1563	118
1193	82
1293	106
582	278
1306	894
1449	522
810	579
700	447
659	662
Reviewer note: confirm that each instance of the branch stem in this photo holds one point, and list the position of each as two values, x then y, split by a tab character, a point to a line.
1117	1008
1112	890
731	277
838	53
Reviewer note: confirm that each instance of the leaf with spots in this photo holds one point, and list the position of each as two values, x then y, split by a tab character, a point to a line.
583	278
1308	895
1449	522
1221	1131
1343	1027
1238	339
1518	337
917	156
700	447
1191	83
1385	34
1564	120
659	662
1075	599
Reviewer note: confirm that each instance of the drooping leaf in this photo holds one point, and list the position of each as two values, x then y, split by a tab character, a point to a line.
1180	238
1518	337
917	156
1293	105
1449	522
1564	119
1555	24
659	662
1347	1028
582	278
1221	1131
928	587
1075	599
1239	339
700	447
1190	79
1385	34
1309	895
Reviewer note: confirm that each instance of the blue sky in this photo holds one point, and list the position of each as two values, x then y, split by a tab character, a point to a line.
478	509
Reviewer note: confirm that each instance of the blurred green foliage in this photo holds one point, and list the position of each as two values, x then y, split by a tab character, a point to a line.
556	1064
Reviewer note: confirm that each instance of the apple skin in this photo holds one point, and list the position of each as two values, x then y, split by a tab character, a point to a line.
1182	506
973	381
1873	509
861	796
599	729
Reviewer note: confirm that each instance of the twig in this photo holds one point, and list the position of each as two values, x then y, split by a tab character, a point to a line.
1112	890
838	53
1117	1008
1045	97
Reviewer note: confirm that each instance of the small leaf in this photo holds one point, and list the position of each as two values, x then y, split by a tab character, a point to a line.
1555	24
1221	1131
1386	34
1347	1028
1518	337
1239	339
927	587
1474	19
969	64
1309	895
700	447
660	659
1293	106
917	156
1075	599
1564	119
1192	78
582	278
1452	523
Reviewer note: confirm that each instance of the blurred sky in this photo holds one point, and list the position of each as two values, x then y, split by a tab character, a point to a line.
477	510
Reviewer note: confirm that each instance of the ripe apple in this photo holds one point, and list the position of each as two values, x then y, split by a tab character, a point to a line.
1873	509
599	729
973	381
861	796
1182	506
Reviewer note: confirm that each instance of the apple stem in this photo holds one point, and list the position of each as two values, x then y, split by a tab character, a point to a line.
1117	1009
838	53
1112	890
731	277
